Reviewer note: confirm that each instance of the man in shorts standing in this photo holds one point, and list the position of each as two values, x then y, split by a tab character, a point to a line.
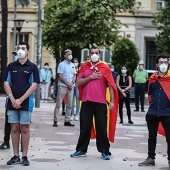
20	82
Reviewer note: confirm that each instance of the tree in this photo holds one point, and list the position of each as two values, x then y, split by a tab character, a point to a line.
80	23
162	22
125	53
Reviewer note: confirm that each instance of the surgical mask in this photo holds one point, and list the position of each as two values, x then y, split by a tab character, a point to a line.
123	71
76	64
70	57
163	68
16	58
112	69
140	67
46	67
21	53
94	57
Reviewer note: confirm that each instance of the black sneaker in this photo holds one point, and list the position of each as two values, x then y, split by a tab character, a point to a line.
136	110
25	161
5	146
14	160
63	113
68	124
55	124
130	122
147	162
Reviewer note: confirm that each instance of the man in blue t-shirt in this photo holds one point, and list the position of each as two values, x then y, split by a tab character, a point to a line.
21	79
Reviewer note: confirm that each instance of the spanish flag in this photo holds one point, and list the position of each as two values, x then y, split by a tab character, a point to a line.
111	114
164	82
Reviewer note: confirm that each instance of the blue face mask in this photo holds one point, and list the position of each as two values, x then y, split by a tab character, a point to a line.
70	57
123	71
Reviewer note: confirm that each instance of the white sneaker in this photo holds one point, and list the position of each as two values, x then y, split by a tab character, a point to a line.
76	118
72	117
42	101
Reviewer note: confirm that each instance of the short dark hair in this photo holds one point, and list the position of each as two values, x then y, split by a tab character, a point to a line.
95	48
25	43
46	64
161	56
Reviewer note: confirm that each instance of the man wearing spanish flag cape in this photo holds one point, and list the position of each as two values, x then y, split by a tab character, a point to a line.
94	79
159	109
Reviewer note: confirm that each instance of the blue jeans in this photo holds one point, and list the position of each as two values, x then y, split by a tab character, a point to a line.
76	94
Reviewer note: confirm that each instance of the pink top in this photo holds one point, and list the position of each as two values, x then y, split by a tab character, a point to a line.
94	90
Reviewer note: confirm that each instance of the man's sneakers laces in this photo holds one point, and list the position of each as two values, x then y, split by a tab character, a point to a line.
78	154
5	146
147	162
16	160
105	156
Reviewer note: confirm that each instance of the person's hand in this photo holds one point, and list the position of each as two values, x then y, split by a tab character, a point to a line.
111	105
16	104
43	82
96	75
70	86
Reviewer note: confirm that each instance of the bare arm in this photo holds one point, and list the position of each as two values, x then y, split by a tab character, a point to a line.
70	85
31	90
111	105
82	81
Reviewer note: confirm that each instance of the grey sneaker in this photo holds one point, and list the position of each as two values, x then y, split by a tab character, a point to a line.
147	162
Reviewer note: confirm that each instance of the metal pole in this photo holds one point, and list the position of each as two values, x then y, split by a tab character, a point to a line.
14	31
39	51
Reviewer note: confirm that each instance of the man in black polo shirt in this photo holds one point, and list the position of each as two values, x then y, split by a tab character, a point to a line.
20	82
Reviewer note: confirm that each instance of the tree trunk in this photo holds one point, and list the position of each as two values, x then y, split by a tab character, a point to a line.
4	7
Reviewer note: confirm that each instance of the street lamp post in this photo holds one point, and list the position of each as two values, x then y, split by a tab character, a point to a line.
18	23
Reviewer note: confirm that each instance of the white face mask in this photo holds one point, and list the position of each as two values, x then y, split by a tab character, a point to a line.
76	64
21	53
112	69
140	67
94	57
46	67
163	68
70	57
16	58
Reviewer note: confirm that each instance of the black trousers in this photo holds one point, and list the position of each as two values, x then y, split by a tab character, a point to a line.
7	129
127	104
139	93
152	124
88	109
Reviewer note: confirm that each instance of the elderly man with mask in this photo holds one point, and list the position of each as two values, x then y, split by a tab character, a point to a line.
93	79
159	109
66	78
140	76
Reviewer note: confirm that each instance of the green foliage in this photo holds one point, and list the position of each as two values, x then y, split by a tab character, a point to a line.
125	53
80	23
162	22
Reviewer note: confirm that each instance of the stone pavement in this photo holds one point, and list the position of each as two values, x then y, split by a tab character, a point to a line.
50	147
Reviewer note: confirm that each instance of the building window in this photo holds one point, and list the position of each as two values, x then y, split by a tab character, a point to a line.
160	4
105	55
21	37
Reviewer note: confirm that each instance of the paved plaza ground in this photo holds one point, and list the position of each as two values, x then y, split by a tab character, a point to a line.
50	147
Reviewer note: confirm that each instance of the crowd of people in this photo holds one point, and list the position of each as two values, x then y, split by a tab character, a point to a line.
92	93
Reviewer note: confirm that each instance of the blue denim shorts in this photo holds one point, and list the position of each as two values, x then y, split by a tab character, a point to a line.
19	116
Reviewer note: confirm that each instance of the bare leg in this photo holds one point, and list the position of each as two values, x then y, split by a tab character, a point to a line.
15	135
25	133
